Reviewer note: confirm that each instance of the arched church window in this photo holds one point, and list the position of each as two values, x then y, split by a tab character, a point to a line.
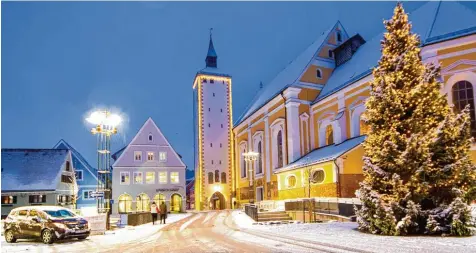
223	178
210	177
217	176
259	168
279	141
463	96
329	135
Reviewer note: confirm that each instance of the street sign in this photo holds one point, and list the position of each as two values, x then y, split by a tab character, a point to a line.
97	194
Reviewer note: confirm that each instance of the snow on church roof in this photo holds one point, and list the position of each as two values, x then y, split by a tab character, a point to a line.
212	71
324	154
31	169
286	77
432	21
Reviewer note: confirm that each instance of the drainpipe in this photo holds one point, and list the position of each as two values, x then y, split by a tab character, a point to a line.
338	179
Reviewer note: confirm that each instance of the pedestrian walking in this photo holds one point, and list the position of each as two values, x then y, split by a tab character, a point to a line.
154	209
163	212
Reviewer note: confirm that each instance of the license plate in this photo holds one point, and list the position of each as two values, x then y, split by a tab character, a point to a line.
79	231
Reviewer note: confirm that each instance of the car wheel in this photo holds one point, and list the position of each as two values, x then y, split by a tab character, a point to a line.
10	237
82	237
48	237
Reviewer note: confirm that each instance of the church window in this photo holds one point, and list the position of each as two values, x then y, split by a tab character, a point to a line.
217	176
221	125
339	37
331	54
212	161
223	178
221	110
211	145
208	108
279	141
220	161
213	93
463	96
204	80
210	177
318	73
208	124
329	135
220	145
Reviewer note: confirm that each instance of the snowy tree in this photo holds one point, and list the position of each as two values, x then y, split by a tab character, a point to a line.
418	173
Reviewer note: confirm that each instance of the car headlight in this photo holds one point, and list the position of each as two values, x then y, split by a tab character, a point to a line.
60	225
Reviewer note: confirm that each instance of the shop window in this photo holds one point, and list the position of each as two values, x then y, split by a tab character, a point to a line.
37	199
125	203
9	200
143	203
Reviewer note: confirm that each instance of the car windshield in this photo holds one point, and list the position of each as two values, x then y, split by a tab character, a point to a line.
60	213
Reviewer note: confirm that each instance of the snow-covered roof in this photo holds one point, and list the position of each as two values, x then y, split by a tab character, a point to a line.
31	169
118	153
288	76
432	21
213	71
324	154
76	154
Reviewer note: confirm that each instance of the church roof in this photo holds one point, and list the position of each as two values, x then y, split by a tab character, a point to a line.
211	49
434	21
324	154
213	71
288	76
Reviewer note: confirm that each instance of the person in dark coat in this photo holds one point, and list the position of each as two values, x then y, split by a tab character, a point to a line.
154	210
163	212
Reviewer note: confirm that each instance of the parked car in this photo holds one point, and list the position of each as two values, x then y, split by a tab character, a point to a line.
48	223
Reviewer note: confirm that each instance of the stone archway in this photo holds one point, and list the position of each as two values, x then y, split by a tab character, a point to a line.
217	201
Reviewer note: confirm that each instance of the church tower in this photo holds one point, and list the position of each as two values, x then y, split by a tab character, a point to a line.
213	135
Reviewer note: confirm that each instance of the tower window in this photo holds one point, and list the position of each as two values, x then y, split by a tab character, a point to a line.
213	93
220	145
220	161
208	108
212	161
211	81
204	80
208	124
221	110
221	125
211	145
318	73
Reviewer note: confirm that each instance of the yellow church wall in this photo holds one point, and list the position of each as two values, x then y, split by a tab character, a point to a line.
308	94
456	49
324	53
462	67
325	189
257	127
310	76
257	118
445	62
353	161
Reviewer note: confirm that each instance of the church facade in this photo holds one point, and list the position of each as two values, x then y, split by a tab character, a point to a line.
306	123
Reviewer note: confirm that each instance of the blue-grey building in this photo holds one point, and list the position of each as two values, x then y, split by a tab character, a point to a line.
86	178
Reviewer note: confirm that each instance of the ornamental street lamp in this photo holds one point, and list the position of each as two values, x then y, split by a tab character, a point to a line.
251	157
105	126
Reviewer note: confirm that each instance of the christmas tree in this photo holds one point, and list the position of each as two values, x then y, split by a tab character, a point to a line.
418	173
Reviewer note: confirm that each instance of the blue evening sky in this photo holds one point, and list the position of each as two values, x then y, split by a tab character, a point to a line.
62	59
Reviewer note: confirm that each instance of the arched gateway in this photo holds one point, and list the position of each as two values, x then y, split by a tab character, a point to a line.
217	201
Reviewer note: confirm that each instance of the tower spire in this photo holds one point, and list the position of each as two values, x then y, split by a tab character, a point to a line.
211	60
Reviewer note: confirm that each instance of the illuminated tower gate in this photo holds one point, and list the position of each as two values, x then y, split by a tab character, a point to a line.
213	136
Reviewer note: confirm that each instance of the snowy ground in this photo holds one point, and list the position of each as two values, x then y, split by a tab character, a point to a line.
345	234
96	243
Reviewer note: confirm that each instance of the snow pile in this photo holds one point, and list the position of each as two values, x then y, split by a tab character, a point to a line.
242	220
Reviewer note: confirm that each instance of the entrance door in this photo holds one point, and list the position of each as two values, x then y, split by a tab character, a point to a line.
259	194
176	203
217	201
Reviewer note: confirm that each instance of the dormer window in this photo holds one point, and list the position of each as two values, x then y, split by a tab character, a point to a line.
151	137
318	73
339	37
331	54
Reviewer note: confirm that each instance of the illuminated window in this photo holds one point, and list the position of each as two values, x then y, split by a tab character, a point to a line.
291	181
125	203
318	73
163	177
223	178
150	177
150	156
463	96
329	135
137	155
143	203
37	198
210	177
259	161
318	176
125	177
174	177
9	200
162	156
279	141
138	177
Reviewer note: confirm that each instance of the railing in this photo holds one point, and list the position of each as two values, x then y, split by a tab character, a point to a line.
252	211
343	207
271	205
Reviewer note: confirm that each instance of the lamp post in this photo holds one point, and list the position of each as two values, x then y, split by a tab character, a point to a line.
105	126
251	157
